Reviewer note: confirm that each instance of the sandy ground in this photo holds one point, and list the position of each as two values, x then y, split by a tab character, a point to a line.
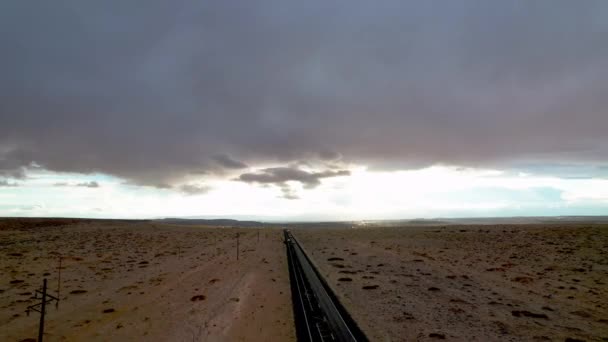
473	283
124	281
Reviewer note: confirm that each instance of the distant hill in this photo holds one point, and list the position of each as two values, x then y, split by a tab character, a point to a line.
499	220
214	222
220	222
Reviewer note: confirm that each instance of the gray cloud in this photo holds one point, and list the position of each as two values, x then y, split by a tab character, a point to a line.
153	91
194	189
329	155
91	184
229	163
281	175
288	192
12	162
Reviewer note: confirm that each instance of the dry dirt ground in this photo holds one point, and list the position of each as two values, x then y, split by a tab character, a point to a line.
138	281
473	283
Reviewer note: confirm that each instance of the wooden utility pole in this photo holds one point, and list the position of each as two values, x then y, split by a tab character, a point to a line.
42	310
58	283
41	307
237	246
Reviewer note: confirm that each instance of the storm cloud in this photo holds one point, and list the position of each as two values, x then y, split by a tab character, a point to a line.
280	175
229	163
155	91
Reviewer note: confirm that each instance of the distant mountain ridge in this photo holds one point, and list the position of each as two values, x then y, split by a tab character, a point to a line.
215	222
224	222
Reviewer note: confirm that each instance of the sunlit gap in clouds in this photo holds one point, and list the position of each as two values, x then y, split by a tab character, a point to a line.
436	191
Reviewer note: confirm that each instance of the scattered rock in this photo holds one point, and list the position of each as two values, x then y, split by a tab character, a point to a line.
524	313
78	291
437	336
198	298
108	310
370	287
348	272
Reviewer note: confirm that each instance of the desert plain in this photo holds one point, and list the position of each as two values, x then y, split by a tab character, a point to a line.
152	281
469	283
142	281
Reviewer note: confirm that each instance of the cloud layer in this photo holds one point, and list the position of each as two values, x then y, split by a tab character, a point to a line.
90	184
280	176
194	189
155	91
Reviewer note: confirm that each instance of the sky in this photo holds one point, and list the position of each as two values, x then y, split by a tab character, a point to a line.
315	110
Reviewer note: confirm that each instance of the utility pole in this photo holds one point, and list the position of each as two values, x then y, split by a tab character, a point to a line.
258	236
42	310
58	283
41	307
237	246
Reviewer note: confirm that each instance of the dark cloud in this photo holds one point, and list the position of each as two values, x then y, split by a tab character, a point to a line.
281	175
154	91
13	162
91	184
229	163
194	189
288	192
158	185
5	183
329	155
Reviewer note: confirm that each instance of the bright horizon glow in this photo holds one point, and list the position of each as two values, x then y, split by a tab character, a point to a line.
437	191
